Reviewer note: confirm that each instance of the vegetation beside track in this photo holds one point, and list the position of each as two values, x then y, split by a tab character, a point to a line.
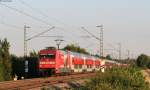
143	61
5	62
118	79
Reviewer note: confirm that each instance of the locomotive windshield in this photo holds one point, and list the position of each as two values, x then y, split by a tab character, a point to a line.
50	56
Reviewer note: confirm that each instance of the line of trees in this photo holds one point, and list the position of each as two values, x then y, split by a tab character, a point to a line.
74	48
11	65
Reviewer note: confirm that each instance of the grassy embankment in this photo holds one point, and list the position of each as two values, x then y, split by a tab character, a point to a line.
118	79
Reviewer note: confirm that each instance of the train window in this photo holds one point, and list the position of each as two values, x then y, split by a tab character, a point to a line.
90	66
80	66
97	66
50	56
76	66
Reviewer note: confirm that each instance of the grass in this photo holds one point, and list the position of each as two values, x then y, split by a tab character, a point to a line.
118	79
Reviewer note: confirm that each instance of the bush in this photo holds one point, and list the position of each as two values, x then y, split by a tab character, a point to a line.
143	61
18	66
118	79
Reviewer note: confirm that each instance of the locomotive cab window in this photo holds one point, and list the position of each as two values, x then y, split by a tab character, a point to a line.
50	56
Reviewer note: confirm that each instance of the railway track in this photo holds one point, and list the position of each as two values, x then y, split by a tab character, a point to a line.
40	82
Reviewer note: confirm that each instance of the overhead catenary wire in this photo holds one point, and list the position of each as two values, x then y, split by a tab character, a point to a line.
2	22
40	33
43	14
52	36
70	34
35	18
90	33
10	25
40	12
46	16
26	14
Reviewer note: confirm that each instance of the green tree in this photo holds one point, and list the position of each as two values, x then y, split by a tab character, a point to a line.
34	54
74	48
143	61
5	60
108	57
17	65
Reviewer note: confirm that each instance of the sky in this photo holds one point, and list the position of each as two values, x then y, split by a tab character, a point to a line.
125	21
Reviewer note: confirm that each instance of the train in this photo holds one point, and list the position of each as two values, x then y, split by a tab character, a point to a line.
53	61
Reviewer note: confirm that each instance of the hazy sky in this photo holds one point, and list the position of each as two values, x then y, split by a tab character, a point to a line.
125	21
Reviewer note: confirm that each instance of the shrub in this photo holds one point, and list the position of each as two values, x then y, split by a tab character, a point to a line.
118	79
143	61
